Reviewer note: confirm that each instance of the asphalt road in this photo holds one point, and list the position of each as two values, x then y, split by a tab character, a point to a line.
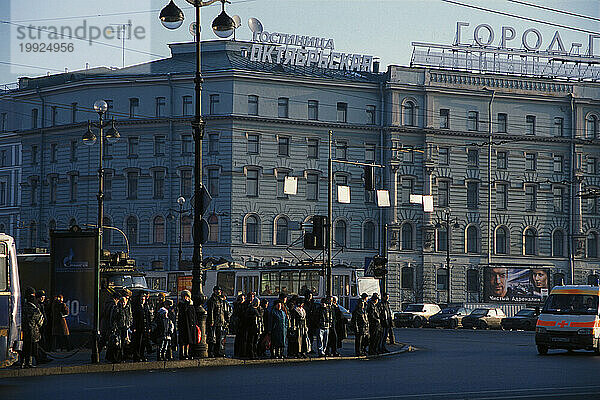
457	364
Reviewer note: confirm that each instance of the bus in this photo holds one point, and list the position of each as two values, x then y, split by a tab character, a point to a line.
10	303
270	281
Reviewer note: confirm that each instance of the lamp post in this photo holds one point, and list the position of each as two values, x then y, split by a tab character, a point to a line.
89	138
223	26
438	225
181	202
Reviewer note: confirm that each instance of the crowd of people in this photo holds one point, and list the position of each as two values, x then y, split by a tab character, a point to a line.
291	327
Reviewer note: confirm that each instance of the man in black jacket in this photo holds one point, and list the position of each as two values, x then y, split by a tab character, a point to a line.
324	324
386	322
375	331
215	323
360	324
141	327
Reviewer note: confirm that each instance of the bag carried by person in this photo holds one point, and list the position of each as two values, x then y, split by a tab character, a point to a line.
266	342
198	334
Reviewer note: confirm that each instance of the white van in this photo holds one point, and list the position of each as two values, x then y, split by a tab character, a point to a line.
569	320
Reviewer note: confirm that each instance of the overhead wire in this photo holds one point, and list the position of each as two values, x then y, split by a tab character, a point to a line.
562	12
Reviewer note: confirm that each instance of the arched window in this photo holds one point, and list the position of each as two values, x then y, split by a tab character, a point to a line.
340	233
281	236
407	236
213	226
252	235
72	222
472	239
32	233
369	235
592	245
502	240
442	279
106	232
408	276
132	229
159	229
558	243
559	279
472	280
529	245
186	229
409	113
442	237
591	127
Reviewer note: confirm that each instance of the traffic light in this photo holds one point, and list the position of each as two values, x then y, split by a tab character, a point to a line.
369	178
380	266
318	238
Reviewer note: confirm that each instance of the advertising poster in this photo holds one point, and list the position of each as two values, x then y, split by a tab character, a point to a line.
73	257
510	284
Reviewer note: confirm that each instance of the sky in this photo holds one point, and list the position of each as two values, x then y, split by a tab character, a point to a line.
381	28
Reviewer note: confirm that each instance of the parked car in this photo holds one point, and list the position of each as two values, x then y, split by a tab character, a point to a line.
484	318
526	319
416	315
450	317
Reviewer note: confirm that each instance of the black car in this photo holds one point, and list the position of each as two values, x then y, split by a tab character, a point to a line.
525	319
450	317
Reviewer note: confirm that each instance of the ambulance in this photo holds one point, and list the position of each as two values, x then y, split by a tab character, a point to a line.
569	320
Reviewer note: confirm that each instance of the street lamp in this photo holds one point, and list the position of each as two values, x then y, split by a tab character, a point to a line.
438	226
223	26
89	138
181	202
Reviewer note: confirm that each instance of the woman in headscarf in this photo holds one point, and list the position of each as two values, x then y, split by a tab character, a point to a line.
278	329
186	324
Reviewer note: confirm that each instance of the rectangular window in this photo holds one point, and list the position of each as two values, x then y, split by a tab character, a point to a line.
444	155
253	144
3	185
592	164
312	187
132	185
3	158
341	149
73	152
444	118
342	112
283	146
213	105
313	110
502	160
34	191
530	161
186	145
73	112
559	199
161	104
213	182
53	152
252	183
530	197
186	102
472	157
213	143
34	118
159	145
186	183
371	115
443	193
502	196
530	125
407	189
159	184
3	122
108	178
53	189
558	163
502	122
472	195
53	113
73	179
313	148
134	105
370	153
283	107
473	121
280	185
34	155
133	143
559	126
252	104
409	155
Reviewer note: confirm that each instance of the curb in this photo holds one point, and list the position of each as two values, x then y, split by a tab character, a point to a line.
179	364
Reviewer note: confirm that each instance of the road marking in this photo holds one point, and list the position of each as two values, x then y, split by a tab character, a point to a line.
109	387
483	392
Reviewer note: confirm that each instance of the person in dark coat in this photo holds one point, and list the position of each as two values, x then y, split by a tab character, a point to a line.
332	340
186	325
60	329
325	322
386	322
33	320
165	329
105	316
141	327
278	330
119	331
237	319
254	328
360	324
299	344
311	317
375	330
265	315
215	323
244	323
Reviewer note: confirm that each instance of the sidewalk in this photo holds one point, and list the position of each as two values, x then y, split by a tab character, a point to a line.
79	362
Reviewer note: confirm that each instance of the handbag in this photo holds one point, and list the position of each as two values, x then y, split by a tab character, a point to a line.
266	341
198	334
